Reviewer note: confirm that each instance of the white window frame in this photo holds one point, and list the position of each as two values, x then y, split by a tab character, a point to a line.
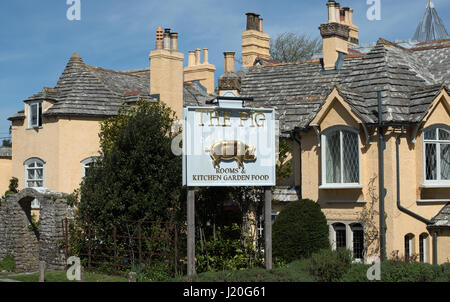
27	163
341	185
431	182
423	241
29	114
357	226
85	164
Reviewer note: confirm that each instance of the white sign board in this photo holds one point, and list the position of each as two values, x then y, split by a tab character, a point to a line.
229	145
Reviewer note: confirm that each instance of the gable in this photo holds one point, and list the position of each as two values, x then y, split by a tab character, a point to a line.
439	112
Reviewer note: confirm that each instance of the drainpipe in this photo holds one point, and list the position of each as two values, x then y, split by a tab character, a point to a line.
381	147
299	142
405	210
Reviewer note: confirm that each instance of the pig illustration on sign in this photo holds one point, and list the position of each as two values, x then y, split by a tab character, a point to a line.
231	150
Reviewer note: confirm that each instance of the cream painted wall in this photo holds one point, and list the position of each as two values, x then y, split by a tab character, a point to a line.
411	177
62	143
5	174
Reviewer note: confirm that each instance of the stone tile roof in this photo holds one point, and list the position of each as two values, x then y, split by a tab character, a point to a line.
442	219
408	78
5	151
84	90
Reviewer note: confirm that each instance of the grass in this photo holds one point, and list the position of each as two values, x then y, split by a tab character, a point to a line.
294	272
60	276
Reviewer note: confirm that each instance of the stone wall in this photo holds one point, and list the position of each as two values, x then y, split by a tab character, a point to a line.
27	246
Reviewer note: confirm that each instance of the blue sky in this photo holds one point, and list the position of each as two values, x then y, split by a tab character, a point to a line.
36	39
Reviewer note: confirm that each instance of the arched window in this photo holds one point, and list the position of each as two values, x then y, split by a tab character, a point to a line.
86	164
340	156
409	248
436	146
340	235
423	247
34	173
358	241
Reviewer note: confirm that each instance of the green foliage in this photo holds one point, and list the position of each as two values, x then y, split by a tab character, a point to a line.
229	251
356	273
138	178
290	47
284	167
395	271
8	264
296	271
34	224
299	230
6	143
327	265
156	272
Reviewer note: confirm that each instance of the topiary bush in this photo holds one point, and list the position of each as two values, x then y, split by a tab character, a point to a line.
327	265
299	231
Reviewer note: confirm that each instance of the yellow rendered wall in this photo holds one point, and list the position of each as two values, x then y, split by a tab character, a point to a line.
411	177
5	174
62	143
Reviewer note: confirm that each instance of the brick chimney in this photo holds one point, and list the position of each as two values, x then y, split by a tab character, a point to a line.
198	71
166	70
336	35
255	43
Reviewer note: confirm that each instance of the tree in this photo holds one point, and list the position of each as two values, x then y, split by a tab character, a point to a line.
6	143
290	47
138	176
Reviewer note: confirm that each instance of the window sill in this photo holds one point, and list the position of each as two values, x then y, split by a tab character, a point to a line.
340	186
433	201
345	201
34	128
435	185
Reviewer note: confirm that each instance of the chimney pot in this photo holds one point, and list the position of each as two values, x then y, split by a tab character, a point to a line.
191	58
205	56
159	38
167	38
253	21
331	11
197	56
261	24
229	61
174	41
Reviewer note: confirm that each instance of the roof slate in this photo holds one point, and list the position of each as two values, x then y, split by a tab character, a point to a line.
5	151
408	78
442	219
84	90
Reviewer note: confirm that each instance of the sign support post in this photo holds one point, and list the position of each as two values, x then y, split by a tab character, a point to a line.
191	231
268	227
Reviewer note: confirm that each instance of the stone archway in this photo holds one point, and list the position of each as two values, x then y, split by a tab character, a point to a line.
28	246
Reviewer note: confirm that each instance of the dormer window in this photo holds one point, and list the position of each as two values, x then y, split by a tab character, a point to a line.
437	155
34	114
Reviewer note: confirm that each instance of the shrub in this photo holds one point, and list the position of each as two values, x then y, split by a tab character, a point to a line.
394	271
356	273
444	273
228	252
299	230
8	264
328	265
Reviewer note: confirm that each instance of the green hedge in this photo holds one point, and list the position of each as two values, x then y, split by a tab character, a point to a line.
299	230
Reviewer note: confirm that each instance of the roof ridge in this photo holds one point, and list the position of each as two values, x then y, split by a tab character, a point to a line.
111	70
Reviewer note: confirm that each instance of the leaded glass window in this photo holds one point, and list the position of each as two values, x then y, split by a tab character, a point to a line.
341	157
341	236
358	241
437	155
